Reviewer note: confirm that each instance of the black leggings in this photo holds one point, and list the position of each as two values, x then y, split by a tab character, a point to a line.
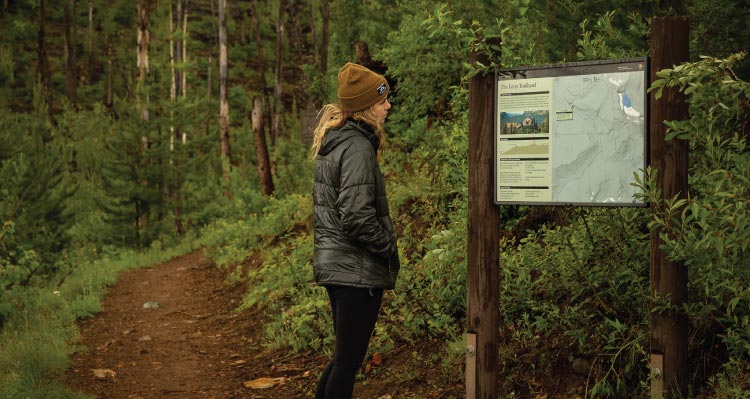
355	311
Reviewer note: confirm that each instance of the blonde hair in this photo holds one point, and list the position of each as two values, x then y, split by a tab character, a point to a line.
332	116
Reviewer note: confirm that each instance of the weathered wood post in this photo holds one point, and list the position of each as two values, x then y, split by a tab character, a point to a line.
669	329
482	274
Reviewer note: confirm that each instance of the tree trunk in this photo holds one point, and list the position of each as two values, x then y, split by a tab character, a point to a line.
91	27
69	55
255	27
214	40
184	47
179	51
182	91
262	60
173	86
324	16
176	54
92	59
43	65
295	28
209	77
261	149
277	73
320	50
109	101
144	39
314	34
142	97
226	153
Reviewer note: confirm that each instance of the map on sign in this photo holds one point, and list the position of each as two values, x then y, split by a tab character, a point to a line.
571	133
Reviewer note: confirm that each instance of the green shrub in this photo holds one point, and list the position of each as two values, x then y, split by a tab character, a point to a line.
578	292
233	239
298	310
435	39
708	232
733	382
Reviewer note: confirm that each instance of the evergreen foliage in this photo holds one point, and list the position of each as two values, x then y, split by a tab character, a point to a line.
32	201
83	180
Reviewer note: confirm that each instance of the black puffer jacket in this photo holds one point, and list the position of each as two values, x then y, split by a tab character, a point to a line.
354	240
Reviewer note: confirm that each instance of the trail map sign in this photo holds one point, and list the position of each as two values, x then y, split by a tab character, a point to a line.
571	133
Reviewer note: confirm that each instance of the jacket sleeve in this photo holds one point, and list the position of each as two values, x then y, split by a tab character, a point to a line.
357	196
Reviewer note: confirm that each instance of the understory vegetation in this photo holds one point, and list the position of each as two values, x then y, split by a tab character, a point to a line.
83	198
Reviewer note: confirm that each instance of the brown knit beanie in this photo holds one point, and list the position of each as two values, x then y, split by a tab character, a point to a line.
359	87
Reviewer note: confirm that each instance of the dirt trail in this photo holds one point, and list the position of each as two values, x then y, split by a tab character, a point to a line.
191	346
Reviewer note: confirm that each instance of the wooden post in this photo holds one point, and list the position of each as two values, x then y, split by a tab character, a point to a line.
482	274
669	329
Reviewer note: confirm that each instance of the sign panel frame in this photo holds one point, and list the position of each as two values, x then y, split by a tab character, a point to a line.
530	133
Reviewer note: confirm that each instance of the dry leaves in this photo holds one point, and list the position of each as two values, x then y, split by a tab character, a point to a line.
264	382
104	374
375	361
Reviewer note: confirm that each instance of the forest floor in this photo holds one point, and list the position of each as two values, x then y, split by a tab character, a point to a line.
172	331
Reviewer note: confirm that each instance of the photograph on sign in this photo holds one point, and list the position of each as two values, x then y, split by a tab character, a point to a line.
571	133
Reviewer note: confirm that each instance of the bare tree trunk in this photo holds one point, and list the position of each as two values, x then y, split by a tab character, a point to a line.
324	16
179	51
314	33
43	65
209	77
91	62
320	50
262	60
109	96
296	30
142	63
182	91
226	153
91	26
174	74
210	54
269	111
172	85
69	55
261	149
176	54
144	39
184	48
255	27
277	73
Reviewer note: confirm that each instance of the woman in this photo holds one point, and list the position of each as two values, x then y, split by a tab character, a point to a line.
356	257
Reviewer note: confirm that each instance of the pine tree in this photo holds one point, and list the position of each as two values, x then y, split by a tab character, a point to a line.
132	179
32	195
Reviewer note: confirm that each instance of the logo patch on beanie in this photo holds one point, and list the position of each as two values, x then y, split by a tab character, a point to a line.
381	89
